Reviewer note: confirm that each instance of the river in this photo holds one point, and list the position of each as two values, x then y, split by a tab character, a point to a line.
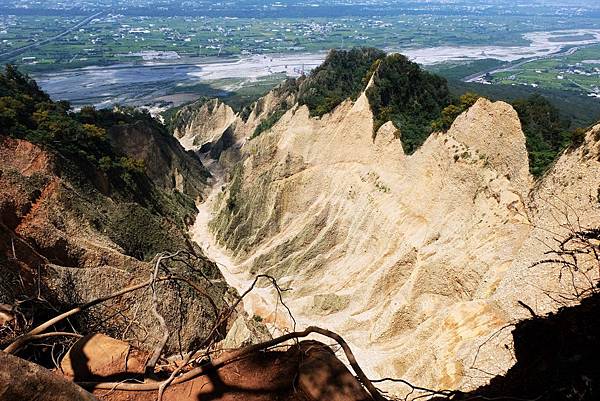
140	84
172	82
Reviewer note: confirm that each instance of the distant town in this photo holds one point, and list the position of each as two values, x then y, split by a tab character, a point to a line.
48	37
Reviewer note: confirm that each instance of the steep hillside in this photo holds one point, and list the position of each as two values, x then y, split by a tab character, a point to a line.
100	282
87	201
419	260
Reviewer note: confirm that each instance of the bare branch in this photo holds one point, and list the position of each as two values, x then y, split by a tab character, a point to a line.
427	391
529	309
163	324
25	338
220	362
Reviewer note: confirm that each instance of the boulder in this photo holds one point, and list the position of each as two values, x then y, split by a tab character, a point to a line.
23	380
98	356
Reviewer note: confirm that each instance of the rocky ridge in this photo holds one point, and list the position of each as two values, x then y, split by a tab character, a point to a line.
418	260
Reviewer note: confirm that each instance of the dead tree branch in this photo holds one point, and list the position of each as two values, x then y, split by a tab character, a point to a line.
529	309
244	352
221	319
29	336
150	365
427	391
577	254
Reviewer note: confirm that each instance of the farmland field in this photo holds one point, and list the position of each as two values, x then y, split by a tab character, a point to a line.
166	48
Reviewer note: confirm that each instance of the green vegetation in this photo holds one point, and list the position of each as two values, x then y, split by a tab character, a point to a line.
461	70
546	132
242	99
178	117
412	98
582	111
245	93
267	123
402	92
235	188
341	76
419	102
285	92
450	112
572	38
137	231
577	72
28	113
114	39
140	217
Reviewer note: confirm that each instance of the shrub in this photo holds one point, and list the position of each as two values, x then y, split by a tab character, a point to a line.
450	112
341	76
267	123
578	136
80	138
137	231
545	131
409	96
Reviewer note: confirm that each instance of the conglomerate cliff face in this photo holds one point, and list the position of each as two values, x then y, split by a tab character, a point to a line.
212	127
202	122
418	261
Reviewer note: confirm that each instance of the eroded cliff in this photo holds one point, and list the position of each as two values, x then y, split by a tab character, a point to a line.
418	260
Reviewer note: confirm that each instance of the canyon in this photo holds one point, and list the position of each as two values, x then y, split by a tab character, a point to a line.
205	258
420	261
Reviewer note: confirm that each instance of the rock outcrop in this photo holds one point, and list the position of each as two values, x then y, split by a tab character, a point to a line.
23	380
212	127
307	371
420	260
202	122
165	161
98	357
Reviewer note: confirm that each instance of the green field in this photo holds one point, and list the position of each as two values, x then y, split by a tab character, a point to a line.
111	39
578	72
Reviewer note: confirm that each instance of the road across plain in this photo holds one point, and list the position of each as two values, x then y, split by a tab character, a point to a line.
22	49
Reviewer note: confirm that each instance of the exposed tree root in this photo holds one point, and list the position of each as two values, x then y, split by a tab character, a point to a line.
219	362
177	377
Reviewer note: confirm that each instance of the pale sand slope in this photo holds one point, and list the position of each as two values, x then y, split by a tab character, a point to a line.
417	260
211	119
208	122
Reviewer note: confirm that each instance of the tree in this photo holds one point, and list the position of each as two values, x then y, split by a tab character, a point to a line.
545	130
409	96
449	113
